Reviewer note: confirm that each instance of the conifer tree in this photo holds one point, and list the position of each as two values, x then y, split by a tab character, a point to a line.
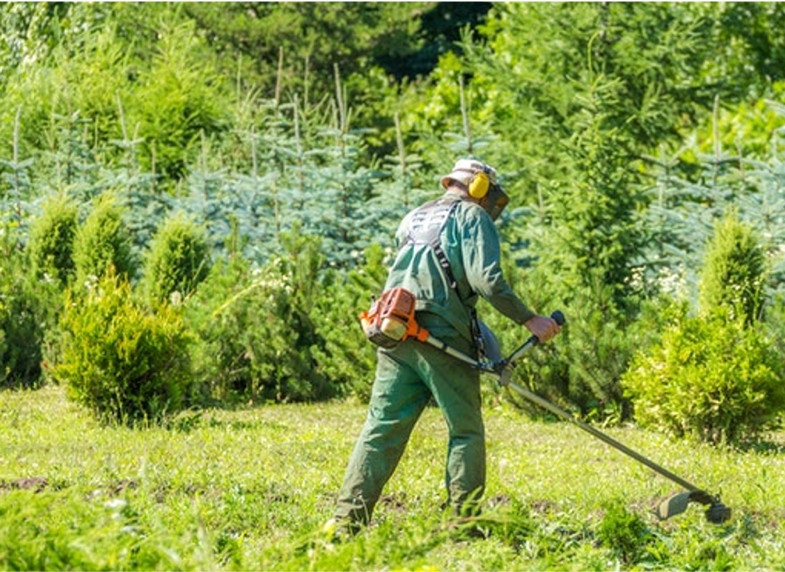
177	262
732	277
101	241
52	238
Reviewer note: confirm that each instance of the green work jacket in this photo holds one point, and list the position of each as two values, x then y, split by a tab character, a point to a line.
471	243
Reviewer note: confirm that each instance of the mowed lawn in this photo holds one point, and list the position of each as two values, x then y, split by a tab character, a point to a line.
250	489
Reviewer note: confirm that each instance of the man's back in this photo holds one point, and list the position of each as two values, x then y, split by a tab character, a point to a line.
471	247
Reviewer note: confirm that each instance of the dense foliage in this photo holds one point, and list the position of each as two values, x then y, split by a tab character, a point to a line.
717	376
52	239
295	136
712	379
178	260
120	360
345	356
256	330
734	272
102	242
26	313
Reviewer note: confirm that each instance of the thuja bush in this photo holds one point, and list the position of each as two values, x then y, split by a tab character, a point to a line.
255	329
102	241
51	240
714	379
177	262
718	377
119	359
732	277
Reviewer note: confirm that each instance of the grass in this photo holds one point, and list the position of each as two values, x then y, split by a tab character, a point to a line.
251	489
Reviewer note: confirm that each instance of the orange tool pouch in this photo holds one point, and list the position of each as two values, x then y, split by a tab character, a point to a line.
390	319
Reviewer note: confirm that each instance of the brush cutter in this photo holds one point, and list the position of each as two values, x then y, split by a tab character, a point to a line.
672	505
391	320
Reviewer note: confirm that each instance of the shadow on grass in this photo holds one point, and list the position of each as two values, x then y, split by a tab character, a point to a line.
763	447
187	421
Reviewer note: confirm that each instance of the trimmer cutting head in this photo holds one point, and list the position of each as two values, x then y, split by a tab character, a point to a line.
717	513
677	503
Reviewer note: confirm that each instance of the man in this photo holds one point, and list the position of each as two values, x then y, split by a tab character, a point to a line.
449	255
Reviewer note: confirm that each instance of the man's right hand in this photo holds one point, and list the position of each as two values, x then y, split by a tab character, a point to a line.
543	327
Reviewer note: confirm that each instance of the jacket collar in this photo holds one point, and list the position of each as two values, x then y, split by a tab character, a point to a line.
459	195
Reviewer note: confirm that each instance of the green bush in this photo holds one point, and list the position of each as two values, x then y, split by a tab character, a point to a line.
26	312
713	379
120	360
347	358
221	364
733	272
52	238
178	260
102	241
256	332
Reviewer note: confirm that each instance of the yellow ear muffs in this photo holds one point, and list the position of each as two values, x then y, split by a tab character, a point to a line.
478	187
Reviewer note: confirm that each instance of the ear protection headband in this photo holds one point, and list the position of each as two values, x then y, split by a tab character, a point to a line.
479	184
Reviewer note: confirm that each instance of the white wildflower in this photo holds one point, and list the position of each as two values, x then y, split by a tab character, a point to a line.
175	298
116	504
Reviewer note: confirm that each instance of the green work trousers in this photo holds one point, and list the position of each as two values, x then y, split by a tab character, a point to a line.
406	378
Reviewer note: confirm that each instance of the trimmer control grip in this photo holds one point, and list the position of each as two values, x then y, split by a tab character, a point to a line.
559	318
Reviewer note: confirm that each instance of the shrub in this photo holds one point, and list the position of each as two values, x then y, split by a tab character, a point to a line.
733	271
178	260
52	238
102	240
347	358
221	364
256	333
123	362
26	311
710	378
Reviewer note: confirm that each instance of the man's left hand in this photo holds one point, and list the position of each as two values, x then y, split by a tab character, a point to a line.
543	327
